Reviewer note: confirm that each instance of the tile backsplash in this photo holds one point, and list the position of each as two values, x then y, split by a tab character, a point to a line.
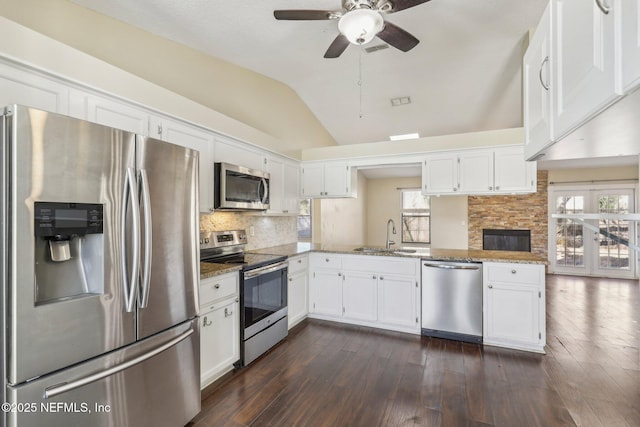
268	230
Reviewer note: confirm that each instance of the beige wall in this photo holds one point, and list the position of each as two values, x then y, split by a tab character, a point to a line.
592	174
344	221
384	200
253	99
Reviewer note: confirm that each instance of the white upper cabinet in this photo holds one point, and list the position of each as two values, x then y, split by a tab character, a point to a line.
18	87
291	203
584	70
239	154
630	37
275	167
116	114
481	171
329	179
440	174
195	138
475	171
538	88
512	173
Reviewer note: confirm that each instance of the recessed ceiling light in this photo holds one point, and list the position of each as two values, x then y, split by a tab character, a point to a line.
403	137
395	102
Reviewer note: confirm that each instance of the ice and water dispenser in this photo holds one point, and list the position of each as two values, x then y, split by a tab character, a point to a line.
69	250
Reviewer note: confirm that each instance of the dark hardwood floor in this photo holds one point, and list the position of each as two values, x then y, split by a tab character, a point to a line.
329	374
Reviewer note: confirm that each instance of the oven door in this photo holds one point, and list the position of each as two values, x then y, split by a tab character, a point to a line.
264	297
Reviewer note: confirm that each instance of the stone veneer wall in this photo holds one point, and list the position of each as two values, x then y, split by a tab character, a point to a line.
268	230
528	211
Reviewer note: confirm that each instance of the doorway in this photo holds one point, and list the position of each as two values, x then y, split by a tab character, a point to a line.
601	250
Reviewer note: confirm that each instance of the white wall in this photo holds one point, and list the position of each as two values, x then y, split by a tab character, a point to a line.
384	201
344	221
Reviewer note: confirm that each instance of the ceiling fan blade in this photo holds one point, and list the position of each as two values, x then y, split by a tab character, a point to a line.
398	5
338	46
397	37
304	15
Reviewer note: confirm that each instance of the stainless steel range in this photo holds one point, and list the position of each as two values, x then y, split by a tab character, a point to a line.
263	290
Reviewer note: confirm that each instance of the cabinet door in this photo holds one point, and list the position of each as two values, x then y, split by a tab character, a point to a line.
630	36
291	188
19	87
337	180
440	174
236	153
326	293
197	139
511	171
512	313
297	296
117	115
360	296
475	172
219	340
398	299
537	88
275	167
584	71
312	180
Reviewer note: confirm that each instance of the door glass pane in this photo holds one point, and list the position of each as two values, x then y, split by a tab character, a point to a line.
613	252
569	233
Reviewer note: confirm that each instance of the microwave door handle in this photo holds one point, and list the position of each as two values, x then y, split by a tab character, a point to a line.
146	266
266	191
129	287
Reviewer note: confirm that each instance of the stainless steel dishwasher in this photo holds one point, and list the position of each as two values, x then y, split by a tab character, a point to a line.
452	300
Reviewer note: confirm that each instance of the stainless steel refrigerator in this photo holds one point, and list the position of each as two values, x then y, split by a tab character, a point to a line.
99	265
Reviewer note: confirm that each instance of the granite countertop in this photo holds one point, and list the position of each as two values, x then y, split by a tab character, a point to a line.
470	255
208	269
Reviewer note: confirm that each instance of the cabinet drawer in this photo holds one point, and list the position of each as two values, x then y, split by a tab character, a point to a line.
298	263
214	288
327	261
513	273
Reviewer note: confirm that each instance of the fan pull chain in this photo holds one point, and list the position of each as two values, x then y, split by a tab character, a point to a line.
360	79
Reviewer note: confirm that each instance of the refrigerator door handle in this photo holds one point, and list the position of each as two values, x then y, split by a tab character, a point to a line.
65	387
146	268
130	287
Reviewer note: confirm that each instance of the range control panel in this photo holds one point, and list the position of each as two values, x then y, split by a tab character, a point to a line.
219	239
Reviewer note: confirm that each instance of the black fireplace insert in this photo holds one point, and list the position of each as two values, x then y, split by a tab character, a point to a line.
506	240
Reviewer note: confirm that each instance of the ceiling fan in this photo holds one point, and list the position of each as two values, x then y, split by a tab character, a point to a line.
359	22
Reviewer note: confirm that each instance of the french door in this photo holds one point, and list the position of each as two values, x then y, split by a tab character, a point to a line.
595	247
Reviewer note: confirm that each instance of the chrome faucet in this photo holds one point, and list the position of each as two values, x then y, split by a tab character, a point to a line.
390	242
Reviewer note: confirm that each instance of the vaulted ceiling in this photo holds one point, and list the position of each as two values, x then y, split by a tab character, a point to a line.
463	76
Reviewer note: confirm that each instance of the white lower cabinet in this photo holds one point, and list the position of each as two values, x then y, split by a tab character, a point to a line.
360	296
297	289
514	306
375	291
219	327
398	302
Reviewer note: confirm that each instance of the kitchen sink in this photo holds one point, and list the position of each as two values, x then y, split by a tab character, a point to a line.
367	250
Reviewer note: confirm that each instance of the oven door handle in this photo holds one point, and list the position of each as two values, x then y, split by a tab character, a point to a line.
266	269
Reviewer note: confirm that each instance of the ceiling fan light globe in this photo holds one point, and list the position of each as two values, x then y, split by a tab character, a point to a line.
360	26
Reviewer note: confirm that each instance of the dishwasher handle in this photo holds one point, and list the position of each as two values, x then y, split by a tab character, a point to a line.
452	267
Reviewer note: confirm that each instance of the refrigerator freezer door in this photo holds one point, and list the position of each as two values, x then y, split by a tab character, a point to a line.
152	383
168	177
80	313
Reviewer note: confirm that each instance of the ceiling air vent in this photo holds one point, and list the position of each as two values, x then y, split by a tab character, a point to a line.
376	48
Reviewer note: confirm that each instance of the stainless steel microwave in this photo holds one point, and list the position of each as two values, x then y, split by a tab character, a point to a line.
240	188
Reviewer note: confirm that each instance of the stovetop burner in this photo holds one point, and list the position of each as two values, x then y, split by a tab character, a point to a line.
247	260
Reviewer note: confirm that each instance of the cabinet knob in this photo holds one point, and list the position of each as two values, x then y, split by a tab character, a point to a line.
217	286
374	277
497	187
490	286
326	259
490	188
381	278
211	209
513	271
299	261
290	279
339	274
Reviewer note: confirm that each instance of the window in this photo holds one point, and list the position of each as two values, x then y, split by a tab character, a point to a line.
416	217
304	220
